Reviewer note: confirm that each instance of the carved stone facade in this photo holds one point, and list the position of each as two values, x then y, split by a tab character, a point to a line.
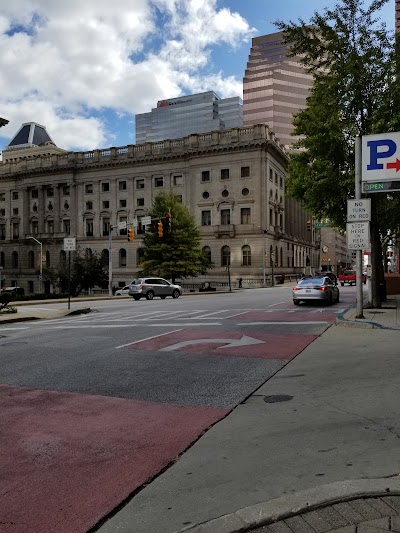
232	181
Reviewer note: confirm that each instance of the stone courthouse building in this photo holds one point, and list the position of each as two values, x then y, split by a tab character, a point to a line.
232	181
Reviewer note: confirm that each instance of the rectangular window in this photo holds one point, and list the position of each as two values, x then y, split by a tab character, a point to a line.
15	211
140	202
281	182
35	227
50	226
271	174
245	172
139	184
2	212
50	192
270	217
89	188
205	175
15	230
30	287
105	187
122	203
122	185
206	218
89	227
177	181
158	182
67	226
2	196
245	215
15	195
34	193
276	178
66	190
281	221
2	232
225	173
225	216
106	204
106	226
125	230
89	205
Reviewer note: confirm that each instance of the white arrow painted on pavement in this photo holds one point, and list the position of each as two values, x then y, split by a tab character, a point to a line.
229	343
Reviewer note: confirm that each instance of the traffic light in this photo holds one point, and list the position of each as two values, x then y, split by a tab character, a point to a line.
160	229
131	234
308	225
169	221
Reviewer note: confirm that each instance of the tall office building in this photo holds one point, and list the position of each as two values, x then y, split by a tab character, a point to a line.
275	86
196	113
397	16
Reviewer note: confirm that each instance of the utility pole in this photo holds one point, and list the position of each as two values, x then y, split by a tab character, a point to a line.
359	253
40	265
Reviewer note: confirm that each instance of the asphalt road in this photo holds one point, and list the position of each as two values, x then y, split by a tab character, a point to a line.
97	405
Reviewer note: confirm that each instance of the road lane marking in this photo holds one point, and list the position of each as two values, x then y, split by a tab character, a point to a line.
147	339
228	343
236	314
163	325
276	322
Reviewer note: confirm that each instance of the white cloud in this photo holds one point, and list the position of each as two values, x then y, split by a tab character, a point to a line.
64	64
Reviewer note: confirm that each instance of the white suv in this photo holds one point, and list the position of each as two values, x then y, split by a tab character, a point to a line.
150	287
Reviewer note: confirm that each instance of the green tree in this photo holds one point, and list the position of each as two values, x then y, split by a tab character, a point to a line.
177	254
88	270
353	60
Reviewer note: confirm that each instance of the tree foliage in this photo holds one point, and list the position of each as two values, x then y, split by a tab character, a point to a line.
177	254
354	62
88	270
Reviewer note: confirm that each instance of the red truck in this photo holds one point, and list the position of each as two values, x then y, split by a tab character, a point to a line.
349	276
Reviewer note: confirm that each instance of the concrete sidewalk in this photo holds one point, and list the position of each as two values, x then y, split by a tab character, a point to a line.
314	450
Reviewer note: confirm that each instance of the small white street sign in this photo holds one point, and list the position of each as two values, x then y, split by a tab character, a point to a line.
121	225
70	244
146	221
359	210
358	235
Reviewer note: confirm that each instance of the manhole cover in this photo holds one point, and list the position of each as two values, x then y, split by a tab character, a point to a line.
277	398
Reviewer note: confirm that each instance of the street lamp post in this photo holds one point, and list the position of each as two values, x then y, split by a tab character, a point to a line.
41	263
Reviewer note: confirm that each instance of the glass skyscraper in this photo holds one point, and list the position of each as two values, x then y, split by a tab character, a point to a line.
275	86
196	113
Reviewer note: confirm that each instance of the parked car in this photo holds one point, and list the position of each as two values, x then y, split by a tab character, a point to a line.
122	290
150	287
349	276
14	290
329	275
316	289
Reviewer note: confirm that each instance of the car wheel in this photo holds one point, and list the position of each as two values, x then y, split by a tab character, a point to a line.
136	298
176	293
149	295
296	302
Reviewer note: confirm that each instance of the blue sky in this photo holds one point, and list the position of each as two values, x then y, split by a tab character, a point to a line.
84	69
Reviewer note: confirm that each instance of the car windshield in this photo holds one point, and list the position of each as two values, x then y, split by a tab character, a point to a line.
311	281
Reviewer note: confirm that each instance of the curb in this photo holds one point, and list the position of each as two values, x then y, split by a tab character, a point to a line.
356	323
277	509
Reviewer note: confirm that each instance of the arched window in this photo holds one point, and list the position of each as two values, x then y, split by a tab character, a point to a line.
31	259
63	257
47	259
2	260
105	256
122	257
14	260
139	256
225	256
207	252
246	255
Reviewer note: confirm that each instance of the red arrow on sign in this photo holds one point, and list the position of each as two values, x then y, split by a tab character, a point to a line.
395	165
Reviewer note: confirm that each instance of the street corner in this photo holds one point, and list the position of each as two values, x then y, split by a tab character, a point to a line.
227	343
